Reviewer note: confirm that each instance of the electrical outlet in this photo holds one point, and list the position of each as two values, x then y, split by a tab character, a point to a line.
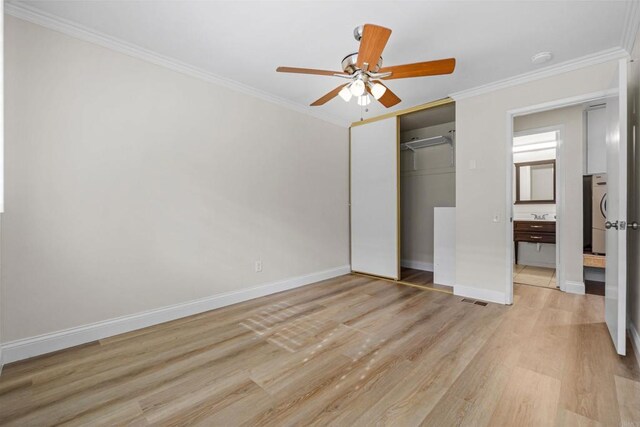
258	266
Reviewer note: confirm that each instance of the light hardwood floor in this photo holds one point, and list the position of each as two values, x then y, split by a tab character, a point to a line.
348	351
422	278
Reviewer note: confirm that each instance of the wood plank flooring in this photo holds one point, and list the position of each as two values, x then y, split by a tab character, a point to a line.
351	351
422	278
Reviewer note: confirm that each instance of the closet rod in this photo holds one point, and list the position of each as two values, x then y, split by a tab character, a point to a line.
425	142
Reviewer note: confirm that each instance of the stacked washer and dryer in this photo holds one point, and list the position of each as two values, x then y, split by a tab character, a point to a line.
595	212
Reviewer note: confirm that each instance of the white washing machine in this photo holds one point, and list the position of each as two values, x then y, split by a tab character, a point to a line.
598	212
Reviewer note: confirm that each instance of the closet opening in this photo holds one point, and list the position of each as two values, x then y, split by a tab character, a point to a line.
427	197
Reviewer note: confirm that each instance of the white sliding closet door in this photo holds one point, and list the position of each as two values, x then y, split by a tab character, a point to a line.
375	238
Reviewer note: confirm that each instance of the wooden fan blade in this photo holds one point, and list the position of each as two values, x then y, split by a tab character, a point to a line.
308	71
420	69
388	99
329	96
374	39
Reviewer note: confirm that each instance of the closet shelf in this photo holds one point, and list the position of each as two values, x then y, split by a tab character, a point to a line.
425	142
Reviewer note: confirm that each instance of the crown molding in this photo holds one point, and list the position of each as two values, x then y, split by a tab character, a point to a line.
52	22
607	55
38	17
631	26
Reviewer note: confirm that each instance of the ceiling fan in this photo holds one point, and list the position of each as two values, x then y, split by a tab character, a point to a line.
364	70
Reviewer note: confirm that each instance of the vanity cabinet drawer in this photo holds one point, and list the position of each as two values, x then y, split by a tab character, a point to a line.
536	226
534	232
528	236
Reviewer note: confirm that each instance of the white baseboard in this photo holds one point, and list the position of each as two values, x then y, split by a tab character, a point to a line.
574	287
418	265
480	294
635	340
46	343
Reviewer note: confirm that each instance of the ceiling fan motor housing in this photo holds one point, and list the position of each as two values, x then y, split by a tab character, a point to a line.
349	64
357	32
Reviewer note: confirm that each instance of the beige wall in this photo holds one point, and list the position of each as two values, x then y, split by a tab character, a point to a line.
481	128
132	187
432	184
570	229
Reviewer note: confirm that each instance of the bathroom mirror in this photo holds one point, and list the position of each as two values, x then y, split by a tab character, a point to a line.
536	182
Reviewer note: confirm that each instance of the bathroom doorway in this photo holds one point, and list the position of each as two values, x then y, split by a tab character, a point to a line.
534	201
559	170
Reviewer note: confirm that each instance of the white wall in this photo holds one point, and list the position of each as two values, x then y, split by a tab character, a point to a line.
132	187
431	185
481	177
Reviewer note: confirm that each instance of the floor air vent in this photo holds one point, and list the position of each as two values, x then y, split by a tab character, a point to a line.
472	301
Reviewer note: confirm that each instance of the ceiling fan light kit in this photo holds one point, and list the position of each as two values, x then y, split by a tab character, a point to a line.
364	70
377	90
345	94
357	88
363	101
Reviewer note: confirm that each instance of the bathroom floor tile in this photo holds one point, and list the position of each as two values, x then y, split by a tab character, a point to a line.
536	276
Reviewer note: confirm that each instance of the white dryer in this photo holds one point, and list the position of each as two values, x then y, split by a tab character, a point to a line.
598	212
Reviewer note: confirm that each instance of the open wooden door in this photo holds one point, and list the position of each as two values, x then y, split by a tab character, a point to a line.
616	213
375	237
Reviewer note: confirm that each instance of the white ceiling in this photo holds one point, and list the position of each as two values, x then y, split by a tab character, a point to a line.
246	41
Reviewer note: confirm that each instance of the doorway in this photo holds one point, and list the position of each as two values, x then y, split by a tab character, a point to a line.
534	201
570	268
559	240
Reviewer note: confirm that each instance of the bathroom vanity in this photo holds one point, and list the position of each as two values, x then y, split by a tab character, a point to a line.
534	232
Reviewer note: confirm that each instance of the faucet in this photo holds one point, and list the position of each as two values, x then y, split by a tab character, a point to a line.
541	217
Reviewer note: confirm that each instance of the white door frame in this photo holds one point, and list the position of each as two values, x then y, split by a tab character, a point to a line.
510	115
